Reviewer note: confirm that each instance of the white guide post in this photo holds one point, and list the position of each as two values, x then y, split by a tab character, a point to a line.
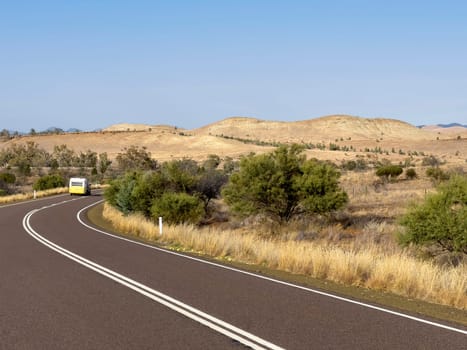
160	225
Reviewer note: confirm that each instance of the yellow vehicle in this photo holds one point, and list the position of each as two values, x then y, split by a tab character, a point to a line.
79	185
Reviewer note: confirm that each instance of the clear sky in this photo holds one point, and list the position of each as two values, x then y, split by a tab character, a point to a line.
88	64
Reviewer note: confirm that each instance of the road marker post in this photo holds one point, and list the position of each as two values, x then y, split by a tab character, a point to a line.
160	225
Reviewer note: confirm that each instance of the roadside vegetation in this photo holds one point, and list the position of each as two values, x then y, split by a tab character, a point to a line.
30	195
369	265
397	228
285	212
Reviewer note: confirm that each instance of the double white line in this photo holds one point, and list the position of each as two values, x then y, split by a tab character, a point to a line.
205	319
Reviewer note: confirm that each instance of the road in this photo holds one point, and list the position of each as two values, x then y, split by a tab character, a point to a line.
65	285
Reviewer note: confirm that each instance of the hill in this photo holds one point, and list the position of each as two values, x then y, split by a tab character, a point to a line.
351	136
325	129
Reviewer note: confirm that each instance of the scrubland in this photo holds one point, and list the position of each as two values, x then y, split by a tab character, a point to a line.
358	247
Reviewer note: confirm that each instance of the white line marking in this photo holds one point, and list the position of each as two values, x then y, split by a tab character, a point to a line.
199	316
413	318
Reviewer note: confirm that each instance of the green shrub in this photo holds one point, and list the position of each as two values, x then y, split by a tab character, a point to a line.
411	173
120	192
47	182
441	220
136	191
389	172
349	165
8	178
178	208
282	185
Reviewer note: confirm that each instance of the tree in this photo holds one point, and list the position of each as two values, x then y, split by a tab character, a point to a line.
209	184
212	162
4	134
120	192
135	158
319	188
181	175
86	159
283	184
441	219
104	163
63	155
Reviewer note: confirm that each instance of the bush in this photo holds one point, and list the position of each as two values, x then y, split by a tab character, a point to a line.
411	173
49	181
389	172
437	174
137	191
177	208
119	193
8	178
349	165
441	220
282	185
431	161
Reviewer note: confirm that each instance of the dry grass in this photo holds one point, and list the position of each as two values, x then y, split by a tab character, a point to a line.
39	194
30	195
371	265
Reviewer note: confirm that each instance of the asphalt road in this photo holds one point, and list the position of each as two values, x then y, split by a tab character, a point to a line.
64	285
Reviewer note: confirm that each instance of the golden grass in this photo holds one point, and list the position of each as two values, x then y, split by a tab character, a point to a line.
39	194
30	195
372	266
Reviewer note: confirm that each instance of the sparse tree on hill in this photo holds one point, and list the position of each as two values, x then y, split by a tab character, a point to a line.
86	159
64	156
104	163
135	158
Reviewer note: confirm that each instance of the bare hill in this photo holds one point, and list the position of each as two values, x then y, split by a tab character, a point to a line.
236	136
164	143
324	129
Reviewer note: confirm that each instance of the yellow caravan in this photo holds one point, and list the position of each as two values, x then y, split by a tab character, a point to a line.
79	185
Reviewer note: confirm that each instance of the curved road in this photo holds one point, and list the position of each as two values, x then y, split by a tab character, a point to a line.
64	285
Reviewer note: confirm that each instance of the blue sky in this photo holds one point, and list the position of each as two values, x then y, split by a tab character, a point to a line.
92	63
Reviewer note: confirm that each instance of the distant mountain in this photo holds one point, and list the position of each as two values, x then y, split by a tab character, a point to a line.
73	130
55	130
452	125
